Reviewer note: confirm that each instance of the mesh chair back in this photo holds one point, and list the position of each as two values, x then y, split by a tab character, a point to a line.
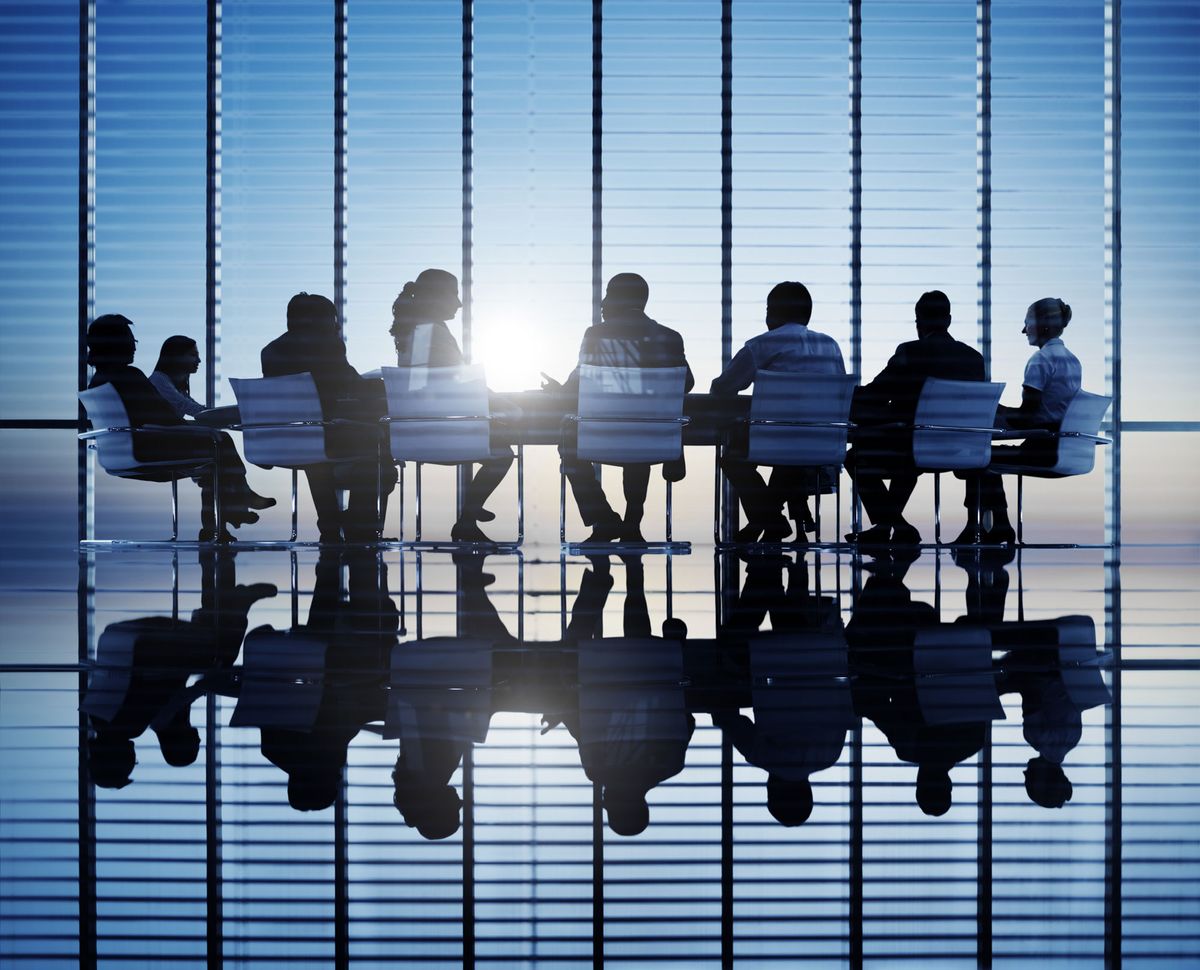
817	409
439	414
630	414
105	409
274	403
1077	456
956	683
952	425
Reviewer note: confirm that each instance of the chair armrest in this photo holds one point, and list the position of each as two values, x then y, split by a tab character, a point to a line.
269	425
394	419
682	420
944	427
774	422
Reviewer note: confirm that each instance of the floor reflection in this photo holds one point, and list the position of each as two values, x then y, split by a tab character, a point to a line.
355	756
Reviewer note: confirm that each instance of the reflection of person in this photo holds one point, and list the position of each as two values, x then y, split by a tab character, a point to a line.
419	317
111	348
312	344
625	338
892	398
1053	376
788	346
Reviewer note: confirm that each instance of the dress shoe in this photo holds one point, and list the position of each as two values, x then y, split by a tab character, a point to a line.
465	530
1000	535
970	536
209	535
748	533
479	514
776	529
256	501
330	537
606	530
632	532
877	535
239	517
360	534
905	534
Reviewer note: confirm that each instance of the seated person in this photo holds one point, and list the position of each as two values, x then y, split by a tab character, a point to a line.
1053	376
879	453
422	339
313	345
625	338
178	360
111	347
788	346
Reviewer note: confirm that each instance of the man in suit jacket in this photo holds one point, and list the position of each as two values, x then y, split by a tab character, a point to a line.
312	344
892	397
625	338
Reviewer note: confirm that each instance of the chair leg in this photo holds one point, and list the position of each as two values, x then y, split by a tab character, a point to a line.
295	504
937	508
520	494
668	511
418	501
1020	509
174	509
817	507
717	496
401	487
837	506
562	503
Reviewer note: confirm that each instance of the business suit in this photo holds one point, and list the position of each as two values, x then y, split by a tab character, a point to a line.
892	398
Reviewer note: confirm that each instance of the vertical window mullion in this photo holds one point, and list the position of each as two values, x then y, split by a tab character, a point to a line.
983	96
340	107
212	220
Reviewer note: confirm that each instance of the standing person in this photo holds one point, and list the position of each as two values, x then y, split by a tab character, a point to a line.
419	317
313	345
892	398
178	360
111	348
791	347
1053	376
626	337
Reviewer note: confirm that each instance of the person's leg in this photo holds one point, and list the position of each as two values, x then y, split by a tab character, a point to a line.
491	473
876	500
589	496
323	489
903	482
635	481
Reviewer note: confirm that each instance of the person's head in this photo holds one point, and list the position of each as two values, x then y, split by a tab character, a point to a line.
110	341
179	358
788	302
312	791
628	813
311	313
111	759
1045	320
179	743
1047	784
789	801
626	292
433	295
431	809
934	789
932	312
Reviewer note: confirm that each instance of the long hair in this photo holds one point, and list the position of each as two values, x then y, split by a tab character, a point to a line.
171	361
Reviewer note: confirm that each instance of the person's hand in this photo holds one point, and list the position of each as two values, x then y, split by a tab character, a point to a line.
550	722
549	383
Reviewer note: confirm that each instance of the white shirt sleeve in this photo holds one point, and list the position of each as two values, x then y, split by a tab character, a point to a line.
182	404
1038	372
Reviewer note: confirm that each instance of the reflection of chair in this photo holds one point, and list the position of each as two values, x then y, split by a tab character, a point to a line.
282	424
114	439
442	416
952	431
627	416
1079	662
955	681
1077	437
798	421
283	680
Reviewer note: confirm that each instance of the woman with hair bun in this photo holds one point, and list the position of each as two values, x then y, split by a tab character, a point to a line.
1053	376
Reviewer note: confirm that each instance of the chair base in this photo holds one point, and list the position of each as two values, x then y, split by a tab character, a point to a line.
666	547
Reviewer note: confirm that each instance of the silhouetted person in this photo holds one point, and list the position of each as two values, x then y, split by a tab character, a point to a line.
143	666
891	397
313	345
788	346
422	338
178	360
882	637
111	348
1053	376
625	338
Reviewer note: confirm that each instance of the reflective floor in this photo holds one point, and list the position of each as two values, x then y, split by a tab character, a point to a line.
413	758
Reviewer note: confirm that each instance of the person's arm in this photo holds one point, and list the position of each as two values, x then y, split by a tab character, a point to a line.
182	404
1037	375
737	376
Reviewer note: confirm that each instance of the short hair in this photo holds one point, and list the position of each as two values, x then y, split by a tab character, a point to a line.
313	792
180	744
629	288
789	801
1047	784
933	307
789	302
935	791
433	810
108	339
111	759
306	310
628	813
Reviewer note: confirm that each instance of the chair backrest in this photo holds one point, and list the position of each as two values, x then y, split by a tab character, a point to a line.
1077	456
439	414
105	409
947	409
955	681
630	414
283	680
274	402
820	401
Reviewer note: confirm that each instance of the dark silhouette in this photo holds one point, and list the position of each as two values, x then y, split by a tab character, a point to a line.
143	666
422	338
312	344
880	453
1053	376
625	338
111	348
788	346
